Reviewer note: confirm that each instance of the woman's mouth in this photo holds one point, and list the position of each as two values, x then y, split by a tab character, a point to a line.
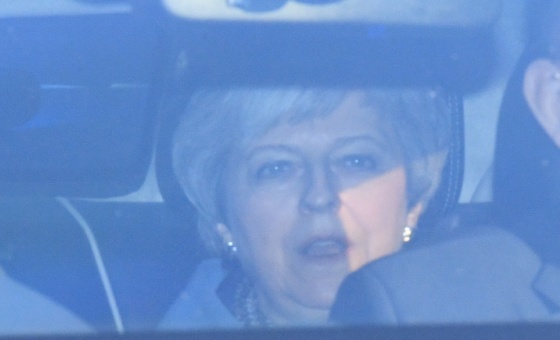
325	247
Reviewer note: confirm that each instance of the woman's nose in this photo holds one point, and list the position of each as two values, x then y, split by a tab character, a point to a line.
320	194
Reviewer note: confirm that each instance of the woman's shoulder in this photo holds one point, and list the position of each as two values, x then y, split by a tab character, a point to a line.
198	306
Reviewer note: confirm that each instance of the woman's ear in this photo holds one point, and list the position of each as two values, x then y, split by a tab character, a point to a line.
414	214
224	233
541	89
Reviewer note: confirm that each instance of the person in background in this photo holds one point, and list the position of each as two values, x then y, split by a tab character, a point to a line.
489	274
526	186
297	187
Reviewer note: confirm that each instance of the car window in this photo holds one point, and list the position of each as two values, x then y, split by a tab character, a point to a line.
112	225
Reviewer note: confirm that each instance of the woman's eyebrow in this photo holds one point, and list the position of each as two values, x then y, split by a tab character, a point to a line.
379	144
366	138
269	148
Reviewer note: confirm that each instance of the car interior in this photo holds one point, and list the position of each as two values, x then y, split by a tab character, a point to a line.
92	215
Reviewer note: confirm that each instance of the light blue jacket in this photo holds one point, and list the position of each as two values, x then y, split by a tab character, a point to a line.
199	306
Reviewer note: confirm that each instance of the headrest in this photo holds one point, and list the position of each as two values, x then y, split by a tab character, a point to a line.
446	198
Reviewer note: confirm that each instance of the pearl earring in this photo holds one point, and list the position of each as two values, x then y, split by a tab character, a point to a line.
407	234
231	249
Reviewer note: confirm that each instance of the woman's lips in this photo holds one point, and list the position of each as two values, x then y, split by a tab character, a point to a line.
325	247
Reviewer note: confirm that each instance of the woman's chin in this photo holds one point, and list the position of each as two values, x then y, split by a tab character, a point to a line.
320	292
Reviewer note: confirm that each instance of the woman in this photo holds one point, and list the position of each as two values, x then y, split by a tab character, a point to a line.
296	188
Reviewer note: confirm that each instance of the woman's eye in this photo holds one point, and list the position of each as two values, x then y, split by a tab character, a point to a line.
273	170
359	162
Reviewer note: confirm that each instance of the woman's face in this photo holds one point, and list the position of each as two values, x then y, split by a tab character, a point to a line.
308	203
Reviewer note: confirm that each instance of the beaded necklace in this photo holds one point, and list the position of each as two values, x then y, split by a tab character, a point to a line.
237	293
246	308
